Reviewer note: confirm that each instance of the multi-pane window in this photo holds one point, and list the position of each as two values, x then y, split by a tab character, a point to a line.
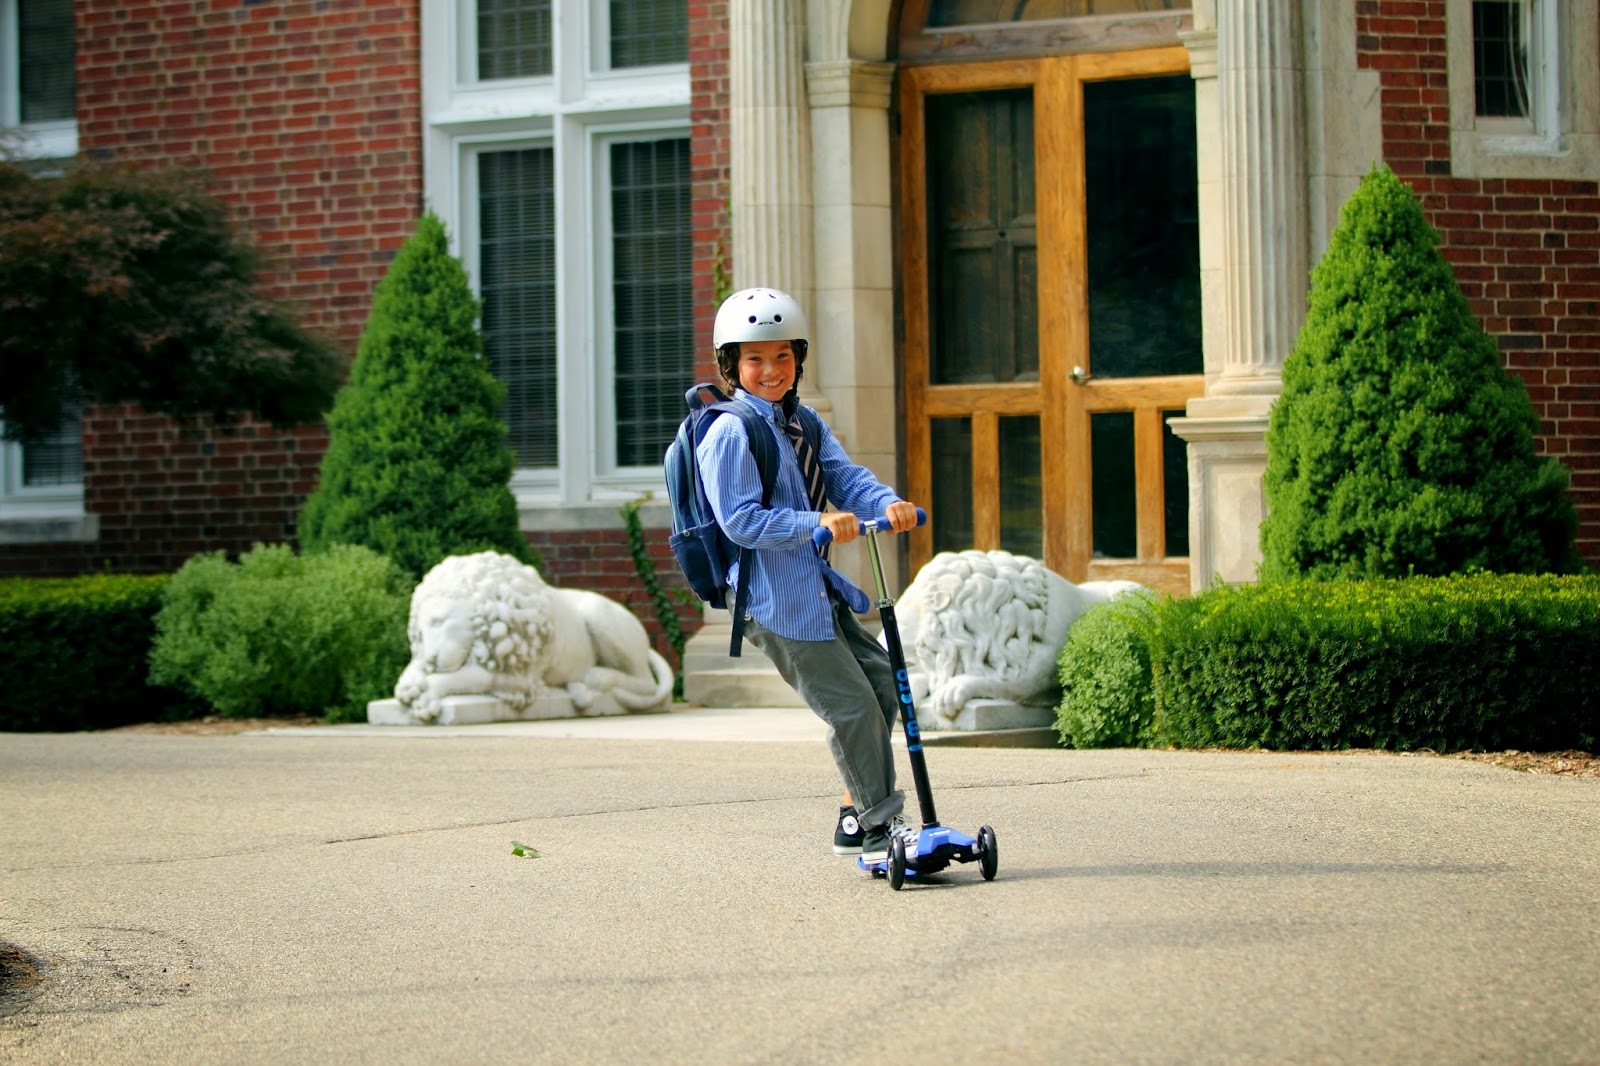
45	54
514	39
651	285
646	33
38	87
517	281
45	474
56	459
1524	101
558	153
38	83
1500	33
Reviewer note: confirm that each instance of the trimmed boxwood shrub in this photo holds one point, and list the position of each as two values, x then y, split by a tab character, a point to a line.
72	653
1468	662
1400	445
278	633
417	466
1107	698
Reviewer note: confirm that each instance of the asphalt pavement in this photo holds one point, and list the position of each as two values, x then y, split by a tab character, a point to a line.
350	894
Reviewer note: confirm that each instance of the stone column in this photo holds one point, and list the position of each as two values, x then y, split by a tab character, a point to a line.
1262	77
770	143
1265	248
852	323
770	147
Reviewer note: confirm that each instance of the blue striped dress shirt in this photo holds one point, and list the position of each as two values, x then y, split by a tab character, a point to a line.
788	579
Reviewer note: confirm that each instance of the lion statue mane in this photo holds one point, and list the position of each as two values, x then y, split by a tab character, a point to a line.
989	624
486	624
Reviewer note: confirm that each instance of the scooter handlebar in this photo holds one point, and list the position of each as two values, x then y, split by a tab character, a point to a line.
822	536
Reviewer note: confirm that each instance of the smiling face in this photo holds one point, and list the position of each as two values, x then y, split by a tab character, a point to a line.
767	369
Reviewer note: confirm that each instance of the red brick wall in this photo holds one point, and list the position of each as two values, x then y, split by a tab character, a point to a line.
307	114
1527	253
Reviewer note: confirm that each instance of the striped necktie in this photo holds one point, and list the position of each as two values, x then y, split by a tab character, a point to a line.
810	466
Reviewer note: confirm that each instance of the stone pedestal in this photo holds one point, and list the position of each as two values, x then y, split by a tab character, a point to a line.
982	715
1227	460
476	710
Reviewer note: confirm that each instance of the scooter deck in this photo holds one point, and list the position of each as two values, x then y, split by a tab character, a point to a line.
937	847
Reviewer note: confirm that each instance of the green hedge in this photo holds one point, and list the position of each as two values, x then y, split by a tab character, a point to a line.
1468	662
73	653
1107	700
278	633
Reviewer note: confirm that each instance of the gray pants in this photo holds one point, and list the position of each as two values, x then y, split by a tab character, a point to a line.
848	683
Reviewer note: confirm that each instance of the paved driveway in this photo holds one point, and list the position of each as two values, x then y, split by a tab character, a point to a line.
335	895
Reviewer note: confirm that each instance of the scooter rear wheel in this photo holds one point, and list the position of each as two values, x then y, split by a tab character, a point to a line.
988	853
897	863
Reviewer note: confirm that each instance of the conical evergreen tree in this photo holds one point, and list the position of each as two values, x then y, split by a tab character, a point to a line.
417	466
1400	445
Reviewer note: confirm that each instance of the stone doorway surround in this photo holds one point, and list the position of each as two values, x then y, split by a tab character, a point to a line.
1287	126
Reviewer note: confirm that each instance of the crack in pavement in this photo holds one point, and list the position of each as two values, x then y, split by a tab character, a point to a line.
592	813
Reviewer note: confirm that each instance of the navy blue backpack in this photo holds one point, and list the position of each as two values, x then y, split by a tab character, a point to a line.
703	551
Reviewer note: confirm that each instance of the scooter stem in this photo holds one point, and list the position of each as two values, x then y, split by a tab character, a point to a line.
897	662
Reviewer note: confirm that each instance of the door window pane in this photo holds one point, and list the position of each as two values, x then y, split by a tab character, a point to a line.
647	33
1021	487
1116	519
516	257
45	51
983	238
513	39
652	294
1175	484
952	484
970	12
1143	227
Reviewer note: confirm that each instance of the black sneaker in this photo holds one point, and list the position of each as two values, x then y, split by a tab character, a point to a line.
847	837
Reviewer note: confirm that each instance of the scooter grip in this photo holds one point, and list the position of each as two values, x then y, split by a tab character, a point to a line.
822	536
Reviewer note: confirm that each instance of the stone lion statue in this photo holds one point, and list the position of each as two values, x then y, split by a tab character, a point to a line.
486	624
989	624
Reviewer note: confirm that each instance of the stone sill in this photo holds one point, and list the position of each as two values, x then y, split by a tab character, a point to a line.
588	517
70	529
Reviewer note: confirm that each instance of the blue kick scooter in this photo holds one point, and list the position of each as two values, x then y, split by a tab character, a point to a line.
937	846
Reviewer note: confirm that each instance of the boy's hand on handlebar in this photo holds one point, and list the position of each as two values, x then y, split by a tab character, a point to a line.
843	525
901	515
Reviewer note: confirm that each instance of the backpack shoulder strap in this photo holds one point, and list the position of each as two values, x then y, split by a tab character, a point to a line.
762	448
764	451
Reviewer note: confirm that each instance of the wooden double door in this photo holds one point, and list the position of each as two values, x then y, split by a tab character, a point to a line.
1050	266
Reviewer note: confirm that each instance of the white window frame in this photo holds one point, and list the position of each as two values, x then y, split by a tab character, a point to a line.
580	110
31	503
1560	138
621	478
38	140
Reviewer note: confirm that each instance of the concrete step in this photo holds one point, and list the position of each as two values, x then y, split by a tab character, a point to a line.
713	678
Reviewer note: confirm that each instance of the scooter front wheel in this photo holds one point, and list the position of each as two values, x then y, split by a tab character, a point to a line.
988	853
897	863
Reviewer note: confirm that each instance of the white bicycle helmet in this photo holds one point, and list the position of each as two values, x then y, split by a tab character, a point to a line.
758	315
